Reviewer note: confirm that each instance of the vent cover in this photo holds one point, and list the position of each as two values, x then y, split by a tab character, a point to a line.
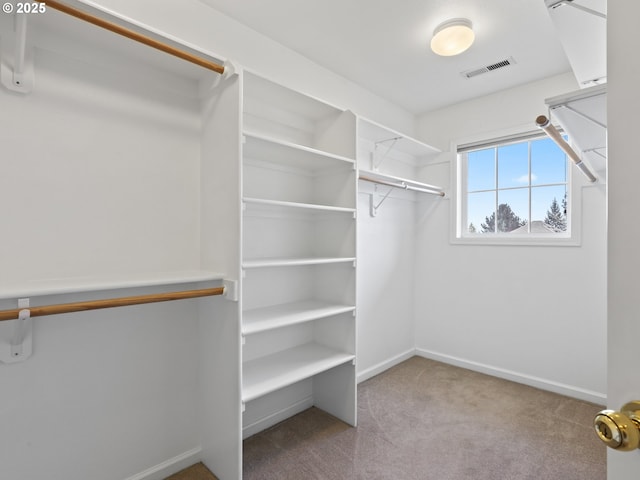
488	68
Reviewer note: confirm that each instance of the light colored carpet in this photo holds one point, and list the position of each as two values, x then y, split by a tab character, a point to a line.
194	472
424	420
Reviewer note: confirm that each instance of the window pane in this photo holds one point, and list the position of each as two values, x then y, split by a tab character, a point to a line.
548	163
481	170
480	207
513	165
548	205
513	210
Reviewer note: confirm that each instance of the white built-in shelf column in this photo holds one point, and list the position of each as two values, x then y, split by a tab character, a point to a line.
298	255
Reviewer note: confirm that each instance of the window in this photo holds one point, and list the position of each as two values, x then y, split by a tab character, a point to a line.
513	190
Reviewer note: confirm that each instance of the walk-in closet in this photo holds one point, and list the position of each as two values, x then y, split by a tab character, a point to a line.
208	230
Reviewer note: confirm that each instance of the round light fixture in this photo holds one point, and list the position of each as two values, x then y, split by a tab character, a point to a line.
452	37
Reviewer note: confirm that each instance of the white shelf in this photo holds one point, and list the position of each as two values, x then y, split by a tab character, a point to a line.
262	147
56	286
277	316
394	179
297	205
377	133
273	372
292	262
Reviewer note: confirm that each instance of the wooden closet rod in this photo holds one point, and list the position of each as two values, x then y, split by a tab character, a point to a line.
545	124
138	37
110	302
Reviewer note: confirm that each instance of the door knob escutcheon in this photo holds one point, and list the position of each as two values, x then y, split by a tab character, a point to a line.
619	430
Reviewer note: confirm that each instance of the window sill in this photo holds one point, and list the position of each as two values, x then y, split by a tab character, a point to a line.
530	241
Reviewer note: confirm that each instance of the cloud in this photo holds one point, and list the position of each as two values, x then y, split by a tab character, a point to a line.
525	178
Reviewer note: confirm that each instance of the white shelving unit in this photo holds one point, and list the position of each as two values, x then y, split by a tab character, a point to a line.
298	255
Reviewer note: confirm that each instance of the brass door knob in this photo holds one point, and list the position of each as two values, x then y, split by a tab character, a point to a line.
620	430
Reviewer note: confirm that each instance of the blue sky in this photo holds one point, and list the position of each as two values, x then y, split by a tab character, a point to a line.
548	167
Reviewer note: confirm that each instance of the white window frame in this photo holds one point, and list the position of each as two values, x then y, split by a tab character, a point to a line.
459	234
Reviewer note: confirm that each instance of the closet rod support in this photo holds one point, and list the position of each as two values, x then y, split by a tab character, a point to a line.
373	207
230	291
16	336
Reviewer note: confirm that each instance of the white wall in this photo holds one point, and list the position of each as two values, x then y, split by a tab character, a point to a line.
386	244
112	156
549	327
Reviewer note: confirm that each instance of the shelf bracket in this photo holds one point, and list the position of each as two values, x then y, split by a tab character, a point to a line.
375	166
16	62
584	116
373	206
16	335
595	150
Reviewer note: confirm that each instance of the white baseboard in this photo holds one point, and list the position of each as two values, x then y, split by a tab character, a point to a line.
169	467
277	417
385	365
541	383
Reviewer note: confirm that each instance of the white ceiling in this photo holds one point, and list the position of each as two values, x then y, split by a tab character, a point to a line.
382	45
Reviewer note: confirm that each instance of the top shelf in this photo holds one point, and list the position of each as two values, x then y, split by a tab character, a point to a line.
384	136
58	286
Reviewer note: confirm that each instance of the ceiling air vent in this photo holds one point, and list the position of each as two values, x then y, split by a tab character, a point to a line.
488	68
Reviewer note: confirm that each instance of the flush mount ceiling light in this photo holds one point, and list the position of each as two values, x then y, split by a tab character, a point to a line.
452	37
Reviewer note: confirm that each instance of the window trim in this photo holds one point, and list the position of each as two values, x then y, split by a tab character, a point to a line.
458	170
